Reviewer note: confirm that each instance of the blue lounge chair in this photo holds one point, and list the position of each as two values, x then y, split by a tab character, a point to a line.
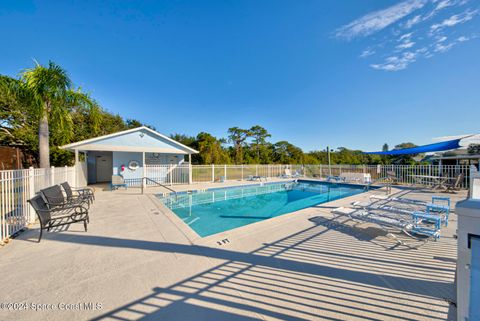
256	178
439	206
410	226
117	182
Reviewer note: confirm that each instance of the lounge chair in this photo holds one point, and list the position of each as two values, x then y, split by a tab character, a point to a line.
255	178
297	174
409	226
54	198
438	200
51	215
117	182
392	176
454	185
335	178
429	209
287	173
73	192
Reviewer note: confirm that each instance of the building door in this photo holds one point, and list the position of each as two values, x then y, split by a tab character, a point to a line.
104	168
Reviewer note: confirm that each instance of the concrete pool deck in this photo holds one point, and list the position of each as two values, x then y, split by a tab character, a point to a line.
137	263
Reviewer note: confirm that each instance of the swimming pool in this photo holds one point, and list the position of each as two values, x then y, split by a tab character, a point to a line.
222	209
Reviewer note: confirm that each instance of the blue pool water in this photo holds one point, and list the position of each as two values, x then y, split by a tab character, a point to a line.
223	209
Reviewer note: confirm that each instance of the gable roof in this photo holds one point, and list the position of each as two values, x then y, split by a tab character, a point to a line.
97	143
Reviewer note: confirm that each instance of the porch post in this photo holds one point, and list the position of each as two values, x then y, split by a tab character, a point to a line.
144	169
189	168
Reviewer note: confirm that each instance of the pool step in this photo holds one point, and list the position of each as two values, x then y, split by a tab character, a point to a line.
190	220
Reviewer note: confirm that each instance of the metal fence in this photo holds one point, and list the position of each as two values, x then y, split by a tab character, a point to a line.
216	173
18	186
406	174
180	174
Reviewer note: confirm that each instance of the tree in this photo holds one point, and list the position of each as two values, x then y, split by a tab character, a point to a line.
211	150
14	113
286	153
184	139
53	98
259	135
134	123
404	159
385	158
473	149
238	136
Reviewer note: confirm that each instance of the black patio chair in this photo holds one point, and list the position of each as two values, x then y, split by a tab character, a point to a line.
73	193
50	217
53	197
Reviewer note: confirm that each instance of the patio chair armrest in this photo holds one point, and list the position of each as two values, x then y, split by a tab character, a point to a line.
56	208
88	190
81	194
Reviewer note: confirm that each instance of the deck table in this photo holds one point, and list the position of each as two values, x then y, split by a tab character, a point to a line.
438	181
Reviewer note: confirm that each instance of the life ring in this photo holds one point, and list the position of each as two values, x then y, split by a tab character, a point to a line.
133	165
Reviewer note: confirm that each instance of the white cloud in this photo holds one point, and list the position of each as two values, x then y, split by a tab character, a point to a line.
405	37
443	4
406	45
454	20
413	30
366	53
396	63
439	47
379	20
413	21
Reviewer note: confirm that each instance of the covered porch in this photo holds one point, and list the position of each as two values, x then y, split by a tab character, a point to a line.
133	154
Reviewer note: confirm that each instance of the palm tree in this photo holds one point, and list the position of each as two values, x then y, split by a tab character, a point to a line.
53	99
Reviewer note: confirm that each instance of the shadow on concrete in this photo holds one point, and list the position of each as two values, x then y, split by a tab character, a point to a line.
312	274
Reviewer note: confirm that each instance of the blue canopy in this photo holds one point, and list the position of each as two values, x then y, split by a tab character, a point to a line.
437	147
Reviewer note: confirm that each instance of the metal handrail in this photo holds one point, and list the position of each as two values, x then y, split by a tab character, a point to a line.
159	184
387	180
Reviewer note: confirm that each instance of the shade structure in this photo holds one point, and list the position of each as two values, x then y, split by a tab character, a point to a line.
437	147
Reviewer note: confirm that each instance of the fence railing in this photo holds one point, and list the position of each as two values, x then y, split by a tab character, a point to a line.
18	186
406	174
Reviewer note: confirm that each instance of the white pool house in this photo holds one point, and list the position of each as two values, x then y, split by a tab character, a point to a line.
134	154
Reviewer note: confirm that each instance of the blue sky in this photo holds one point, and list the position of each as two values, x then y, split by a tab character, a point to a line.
316	73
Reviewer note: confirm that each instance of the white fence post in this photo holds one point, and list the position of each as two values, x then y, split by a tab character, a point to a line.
190	174
31	193
52	175
213	173
225	172
242	172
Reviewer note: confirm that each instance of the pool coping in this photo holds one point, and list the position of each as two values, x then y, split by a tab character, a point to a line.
195	238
